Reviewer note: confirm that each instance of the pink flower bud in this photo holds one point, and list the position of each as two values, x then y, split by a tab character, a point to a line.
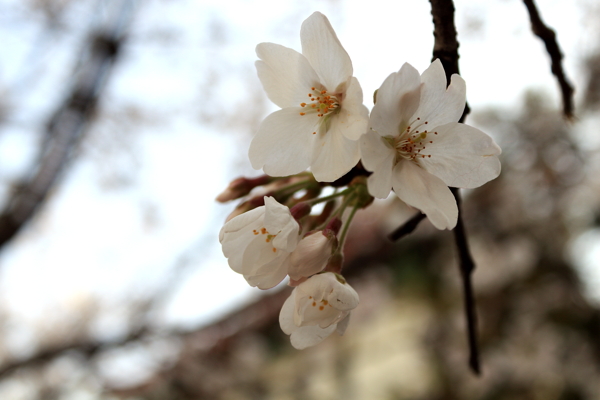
242	186
311	255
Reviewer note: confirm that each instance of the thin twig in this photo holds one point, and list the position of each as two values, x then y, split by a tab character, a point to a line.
407	228
548	36
446	49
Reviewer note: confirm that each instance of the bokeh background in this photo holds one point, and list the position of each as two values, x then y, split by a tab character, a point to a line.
120	122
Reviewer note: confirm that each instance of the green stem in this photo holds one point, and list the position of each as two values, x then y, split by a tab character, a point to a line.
346	226
295	186
331	196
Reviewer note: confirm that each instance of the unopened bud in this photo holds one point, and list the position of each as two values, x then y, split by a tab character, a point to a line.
363	198
311	255
247	205
300	210
333	227
242	186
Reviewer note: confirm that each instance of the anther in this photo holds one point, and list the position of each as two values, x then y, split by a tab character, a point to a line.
312	88
302	104
302	113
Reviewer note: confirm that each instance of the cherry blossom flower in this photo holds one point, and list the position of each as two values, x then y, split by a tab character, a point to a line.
416	145
258	243
321	116
317	307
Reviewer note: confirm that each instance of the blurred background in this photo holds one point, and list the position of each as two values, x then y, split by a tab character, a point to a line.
120	122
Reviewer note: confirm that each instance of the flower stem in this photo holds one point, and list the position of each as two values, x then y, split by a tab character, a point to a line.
295	186
330	197
346	226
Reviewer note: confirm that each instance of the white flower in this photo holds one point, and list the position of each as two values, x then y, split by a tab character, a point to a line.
416	146
321	116
316	308
258	243
311	255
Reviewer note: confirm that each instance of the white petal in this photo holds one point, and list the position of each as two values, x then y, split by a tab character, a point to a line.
283	144
343	297
269	274
397	100
241	221
286	315
462	156
353	117
343	325
379	182
425	191
258	253
440	105
324	51
306	336
237	234
374	150
279	221
333	154
285	74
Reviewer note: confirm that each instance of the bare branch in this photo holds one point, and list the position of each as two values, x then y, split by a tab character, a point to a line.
408	227
548	36
446	49
65	129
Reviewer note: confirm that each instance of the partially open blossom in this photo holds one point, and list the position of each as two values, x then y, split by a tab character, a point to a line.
259	242
316	308
321	116
416	146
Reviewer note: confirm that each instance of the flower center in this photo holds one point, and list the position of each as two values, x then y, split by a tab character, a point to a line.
268	239
412	140
321	102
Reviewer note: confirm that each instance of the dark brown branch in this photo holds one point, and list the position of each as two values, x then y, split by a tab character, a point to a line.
548	36
446	49
407	228
88	348
64	130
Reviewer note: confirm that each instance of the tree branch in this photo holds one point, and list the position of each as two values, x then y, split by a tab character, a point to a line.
446	49
548	36
408	227
65	129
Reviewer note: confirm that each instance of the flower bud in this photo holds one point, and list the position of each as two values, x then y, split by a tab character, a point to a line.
300	210
311	255
242	186
247	205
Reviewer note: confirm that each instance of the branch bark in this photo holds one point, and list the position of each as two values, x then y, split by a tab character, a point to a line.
65	128
548	36
446	49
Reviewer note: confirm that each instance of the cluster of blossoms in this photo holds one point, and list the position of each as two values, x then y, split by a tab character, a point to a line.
412	143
